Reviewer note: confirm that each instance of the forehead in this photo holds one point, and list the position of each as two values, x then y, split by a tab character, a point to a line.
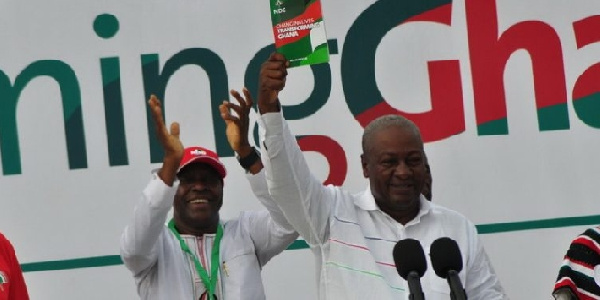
195	169
395	139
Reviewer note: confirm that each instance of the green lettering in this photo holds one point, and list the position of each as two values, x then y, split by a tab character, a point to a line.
156	82
71	101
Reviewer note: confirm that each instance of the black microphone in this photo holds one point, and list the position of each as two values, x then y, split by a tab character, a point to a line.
447	263
411	265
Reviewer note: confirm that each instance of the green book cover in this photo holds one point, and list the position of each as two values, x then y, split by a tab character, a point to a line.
299	31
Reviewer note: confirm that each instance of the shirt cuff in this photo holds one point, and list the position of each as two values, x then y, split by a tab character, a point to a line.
271	124
158	193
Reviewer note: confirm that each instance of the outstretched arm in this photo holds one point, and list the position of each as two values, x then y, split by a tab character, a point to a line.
304	200
272	233
139	240
237	126
170	142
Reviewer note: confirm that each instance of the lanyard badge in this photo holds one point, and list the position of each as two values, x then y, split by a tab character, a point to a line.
210	282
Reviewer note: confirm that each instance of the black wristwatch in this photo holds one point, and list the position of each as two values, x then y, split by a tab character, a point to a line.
247	161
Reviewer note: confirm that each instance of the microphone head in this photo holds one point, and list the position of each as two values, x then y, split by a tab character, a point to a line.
445	256
409	256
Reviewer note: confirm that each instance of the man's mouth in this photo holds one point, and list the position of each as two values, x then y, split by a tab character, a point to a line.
198	201
402	187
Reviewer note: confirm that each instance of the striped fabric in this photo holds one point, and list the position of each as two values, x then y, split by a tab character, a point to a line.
580	271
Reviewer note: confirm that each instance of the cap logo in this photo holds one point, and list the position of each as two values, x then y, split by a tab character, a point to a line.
197	152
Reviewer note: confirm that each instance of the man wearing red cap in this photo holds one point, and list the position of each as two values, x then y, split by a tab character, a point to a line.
198	255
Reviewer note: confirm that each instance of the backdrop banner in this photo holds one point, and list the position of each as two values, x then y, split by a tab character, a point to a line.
506	94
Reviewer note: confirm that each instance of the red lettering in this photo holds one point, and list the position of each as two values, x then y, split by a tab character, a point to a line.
333	152
489	54
586	93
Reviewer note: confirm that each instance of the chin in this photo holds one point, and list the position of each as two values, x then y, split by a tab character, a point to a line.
404	201
202	224
201	219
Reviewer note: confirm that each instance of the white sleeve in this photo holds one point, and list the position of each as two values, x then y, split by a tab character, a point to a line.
270	232
140	238
481	280
305	202
258	184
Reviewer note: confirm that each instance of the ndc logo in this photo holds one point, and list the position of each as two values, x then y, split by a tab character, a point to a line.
197	152
279	10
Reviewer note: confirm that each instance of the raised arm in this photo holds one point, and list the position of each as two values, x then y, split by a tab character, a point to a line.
304	200
271	233
139	239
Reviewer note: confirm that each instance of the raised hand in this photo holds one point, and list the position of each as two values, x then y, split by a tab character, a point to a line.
237	125
169	139
273	73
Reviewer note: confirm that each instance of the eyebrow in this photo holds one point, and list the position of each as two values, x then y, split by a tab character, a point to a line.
410	152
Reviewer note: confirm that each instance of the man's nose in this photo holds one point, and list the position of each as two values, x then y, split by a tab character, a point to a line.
198	185
402	169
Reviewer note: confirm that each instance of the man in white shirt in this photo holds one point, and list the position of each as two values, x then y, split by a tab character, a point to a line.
198	255
352	235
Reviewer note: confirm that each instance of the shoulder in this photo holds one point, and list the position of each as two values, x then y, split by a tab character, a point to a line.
447	212
590	239
4	242
6	247
248	215
244	219
450	216
238	232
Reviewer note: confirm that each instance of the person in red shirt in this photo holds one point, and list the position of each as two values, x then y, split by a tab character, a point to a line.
12	283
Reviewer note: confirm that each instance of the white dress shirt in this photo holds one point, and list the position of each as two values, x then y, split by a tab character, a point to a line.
352	239
162	270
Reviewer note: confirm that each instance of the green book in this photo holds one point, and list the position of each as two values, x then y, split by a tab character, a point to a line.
299	31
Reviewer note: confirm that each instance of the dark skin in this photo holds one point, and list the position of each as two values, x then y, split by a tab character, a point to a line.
271	81
198	199
170	142
393	163
199	196
237	125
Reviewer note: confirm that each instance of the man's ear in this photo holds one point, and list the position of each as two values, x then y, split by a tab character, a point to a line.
365	166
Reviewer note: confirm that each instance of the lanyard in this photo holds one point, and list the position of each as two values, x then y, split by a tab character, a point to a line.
209	282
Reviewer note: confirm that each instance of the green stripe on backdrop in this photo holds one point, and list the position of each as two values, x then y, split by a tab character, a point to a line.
113	260
538	224
77	263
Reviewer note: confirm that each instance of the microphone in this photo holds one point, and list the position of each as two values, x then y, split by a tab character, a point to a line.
411	265
447	263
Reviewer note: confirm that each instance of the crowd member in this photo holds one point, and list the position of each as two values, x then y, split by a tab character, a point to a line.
352	235
197	255
12	283
579	275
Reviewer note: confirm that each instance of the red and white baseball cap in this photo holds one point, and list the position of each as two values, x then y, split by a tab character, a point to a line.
202	155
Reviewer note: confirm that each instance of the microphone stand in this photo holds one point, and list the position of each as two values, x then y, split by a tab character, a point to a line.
414	286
